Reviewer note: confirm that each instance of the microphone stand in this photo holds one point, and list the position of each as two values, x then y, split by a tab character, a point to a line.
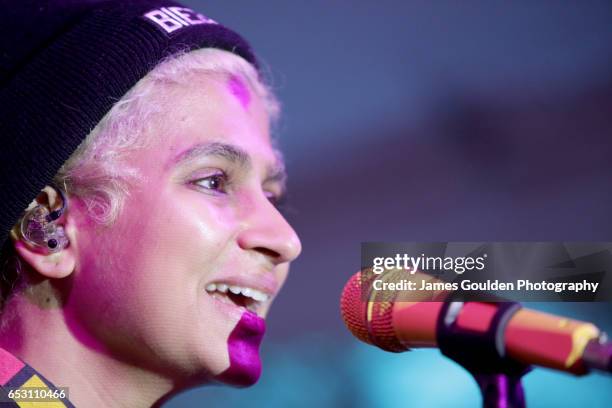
500	390
483	355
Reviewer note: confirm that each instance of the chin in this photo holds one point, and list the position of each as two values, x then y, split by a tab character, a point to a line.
243	351
243	375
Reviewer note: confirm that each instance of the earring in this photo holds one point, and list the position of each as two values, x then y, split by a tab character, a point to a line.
38	227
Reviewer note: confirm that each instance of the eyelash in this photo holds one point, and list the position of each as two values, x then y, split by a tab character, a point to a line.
215	177
225	182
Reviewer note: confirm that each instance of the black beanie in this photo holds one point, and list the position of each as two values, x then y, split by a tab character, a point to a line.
63	64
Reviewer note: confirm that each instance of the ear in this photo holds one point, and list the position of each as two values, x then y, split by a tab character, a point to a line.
55	265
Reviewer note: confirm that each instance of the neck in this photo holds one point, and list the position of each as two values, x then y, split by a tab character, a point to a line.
92	375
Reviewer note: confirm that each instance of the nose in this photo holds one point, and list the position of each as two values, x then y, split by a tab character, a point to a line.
266	231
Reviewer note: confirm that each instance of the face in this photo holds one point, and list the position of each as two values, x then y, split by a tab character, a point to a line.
182	281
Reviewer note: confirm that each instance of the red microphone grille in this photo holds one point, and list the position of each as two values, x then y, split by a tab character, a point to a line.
353	309
369	321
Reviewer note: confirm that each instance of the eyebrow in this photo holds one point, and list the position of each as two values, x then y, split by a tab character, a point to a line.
234	154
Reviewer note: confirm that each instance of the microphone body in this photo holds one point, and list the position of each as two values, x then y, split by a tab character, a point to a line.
527	336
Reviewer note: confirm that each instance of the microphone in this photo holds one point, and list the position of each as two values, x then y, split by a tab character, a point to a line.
526	336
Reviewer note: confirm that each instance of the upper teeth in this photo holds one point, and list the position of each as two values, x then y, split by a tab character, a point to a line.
248	292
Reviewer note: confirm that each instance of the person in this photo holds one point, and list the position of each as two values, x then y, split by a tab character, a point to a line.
152	247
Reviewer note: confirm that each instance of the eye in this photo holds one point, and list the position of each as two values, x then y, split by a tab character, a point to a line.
216	182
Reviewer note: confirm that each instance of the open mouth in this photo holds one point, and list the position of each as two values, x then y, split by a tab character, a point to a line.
240	296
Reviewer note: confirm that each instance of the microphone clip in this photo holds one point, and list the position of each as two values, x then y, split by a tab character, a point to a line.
482	353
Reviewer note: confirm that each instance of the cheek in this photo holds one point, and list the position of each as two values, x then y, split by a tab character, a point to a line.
141	280
169	253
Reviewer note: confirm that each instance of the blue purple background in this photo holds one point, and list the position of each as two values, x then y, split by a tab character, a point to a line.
424	121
